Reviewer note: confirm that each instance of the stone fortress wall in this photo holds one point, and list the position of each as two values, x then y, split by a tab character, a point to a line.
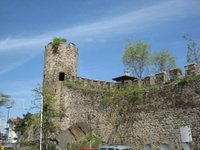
158	79
65	61
153	121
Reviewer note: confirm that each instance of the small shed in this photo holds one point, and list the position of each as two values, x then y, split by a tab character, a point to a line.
125	79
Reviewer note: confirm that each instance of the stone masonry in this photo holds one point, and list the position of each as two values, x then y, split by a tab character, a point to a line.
153	119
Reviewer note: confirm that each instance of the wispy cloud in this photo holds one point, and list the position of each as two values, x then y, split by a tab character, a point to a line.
25	85
13	66
135	21
11	43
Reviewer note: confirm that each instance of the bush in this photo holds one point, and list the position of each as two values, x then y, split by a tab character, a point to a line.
56	42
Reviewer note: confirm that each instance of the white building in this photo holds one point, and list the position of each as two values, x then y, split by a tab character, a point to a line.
11	134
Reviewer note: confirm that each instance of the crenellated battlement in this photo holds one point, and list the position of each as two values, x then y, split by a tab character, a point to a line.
172	75
91	83
63	44
64	65
159	79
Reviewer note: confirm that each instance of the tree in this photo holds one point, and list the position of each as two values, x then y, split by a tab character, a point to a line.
50	114
193	51
24	123
136	57
4	99
163	61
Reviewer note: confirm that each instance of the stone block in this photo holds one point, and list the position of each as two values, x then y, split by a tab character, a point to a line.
79	79
175	74
91	82
161	78
149	80
191	69
74	78
85	82
137	82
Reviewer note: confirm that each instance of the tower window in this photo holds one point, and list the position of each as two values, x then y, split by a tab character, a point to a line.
61	76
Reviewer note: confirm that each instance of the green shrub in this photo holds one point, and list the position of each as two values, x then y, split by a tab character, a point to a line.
89	139
56	42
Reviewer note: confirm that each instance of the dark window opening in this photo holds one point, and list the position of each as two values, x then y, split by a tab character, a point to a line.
61	76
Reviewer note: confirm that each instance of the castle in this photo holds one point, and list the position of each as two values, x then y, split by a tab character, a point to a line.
151	120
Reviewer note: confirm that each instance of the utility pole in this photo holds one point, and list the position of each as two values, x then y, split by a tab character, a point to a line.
8	130
90	117
41	121
8	112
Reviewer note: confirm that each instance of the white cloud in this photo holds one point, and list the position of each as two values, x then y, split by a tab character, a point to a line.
10	67
135	21
14	64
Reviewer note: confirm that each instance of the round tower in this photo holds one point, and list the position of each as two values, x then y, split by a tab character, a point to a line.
59	62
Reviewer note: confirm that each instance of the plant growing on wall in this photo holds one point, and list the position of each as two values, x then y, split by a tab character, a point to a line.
56	42
90	139
49	113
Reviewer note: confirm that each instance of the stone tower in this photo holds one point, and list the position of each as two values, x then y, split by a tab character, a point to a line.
59	63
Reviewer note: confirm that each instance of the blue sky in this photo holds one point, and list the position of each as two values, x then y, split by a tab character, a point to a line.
99	28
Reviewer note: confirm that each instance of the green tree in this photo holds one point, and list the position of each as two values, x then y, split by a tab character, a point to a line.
50	113
4	99
23	123
136	57
163	61
193	51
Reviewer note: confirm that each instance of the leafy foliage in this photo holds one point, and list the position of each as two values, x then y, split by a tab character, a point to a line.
140	60
163	61
32	122
56	42
131	93
23	123
193	51
136	57
49	113
90	138
3	99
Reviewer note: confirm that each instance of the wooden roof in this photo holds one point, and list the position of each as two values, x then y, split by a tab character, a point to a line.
124	77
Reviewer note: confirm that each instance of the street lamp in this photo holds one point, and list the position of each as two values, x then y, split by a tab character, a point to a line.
8	107
90	117
41	120
1	126
39	93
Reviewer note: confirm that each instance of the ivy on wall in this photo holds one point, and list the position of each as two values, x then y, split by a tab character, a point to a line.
132	92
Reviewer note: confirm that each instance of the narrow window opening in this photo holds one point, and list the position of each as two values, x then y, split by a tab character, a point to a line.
61	76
